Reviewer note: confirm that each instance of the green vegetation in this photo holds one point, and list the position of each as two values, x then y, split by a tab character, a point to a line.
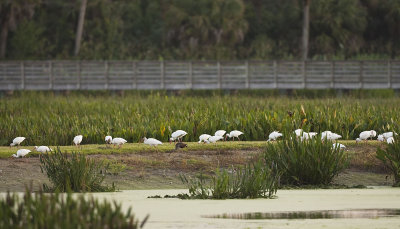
309	162
252	181
41	210
390	156
198	30
73	172
55	120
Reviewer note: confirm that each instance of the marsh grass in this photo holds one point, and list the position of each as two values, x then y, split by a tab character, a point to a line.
73	172
310	162
254	180
39	210
390	156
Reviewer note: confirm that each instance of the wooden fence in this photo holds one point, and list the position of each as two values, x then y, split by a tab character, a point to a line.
174	75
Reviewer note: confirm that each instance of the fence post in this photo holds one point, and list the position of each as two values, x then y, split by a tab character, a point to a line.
50	75
219	75
134	70
247	75
332	73
191	74
389	66
361	74
79	74
106	74
304	74
275	74
162	74
23	75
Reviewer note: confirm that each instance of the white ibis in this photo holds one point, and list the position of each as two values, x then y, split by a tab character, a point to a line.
21	153
367	134
381	138
177	135
17	141
204	138
329	135
298	132
214	139
43	149
358	140
234	134
387	135
220	133
390	140
151	141
108	139
118	141
274	135
309	135
77	140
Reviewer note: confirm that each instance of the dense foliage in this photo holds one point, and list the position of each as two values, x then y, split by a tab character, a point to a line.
390	155
307	162
254	180
201	29
73	172
41	210
55	120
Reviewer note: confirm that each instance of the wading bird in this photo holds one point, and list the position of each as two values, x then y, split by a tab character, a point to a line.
17	141
390	140
367	134
77	140
118	141
274	135
341	146
108	139
204	138
21	153
214	139
180	145
177	135
151	141
234	134
329	135
43	149
220	133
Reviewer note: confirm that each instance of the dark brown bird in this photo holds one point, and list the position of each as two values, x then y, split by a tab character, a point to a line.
180	145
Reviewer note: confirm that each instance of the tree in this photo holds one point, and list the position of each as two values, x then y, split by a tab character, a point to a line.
306	28
79	29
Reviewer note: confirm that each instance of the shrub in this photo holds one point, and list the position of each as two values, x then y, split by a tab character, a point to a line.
73	172
63	211
252	181
309	162
390	156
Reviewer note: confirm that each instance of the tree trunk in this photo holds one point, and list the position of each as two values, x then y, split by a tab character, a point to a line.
79	29
306	28
3	40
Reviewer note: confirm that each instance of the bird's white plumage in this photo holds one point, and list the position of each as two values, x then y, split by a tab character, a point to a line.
274	135
380	138
21	153
341	146
204	137
151	141
108	139
214	139
330	135
367	134
43	149
177	135
220	133
387	135
298	132
390	140
118	141
78	139
17	141
307	136
358	140
234	133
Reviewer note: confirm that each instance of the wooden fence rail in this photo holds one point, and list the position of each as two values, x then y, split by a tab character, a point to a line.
175	75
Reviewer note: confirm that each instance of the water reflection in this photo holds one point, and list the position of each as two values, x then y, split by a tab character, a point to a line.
324	214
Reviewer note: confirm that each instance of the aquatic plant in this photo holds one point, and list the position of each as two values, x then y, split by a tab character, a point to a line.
254	180
390	156
40	210
307	162
73	172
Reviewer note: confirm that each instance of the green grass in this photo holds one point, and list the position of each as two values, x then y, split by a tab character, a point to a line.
6	152
54	120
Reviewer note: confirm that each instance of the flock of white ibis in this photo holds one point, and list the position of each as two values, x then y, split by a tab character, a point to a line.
218	135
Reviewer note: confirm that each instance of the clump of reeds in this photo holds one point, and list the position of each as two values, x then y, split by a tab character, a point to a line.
307	162
252	181
390	156
73	172
39	210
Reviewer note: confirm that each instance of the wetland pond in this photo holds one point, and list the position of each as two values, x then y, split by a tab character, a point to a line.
376	207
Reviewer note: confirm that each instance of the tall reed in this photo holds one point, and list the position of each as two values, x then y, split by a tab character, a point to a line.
390	156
